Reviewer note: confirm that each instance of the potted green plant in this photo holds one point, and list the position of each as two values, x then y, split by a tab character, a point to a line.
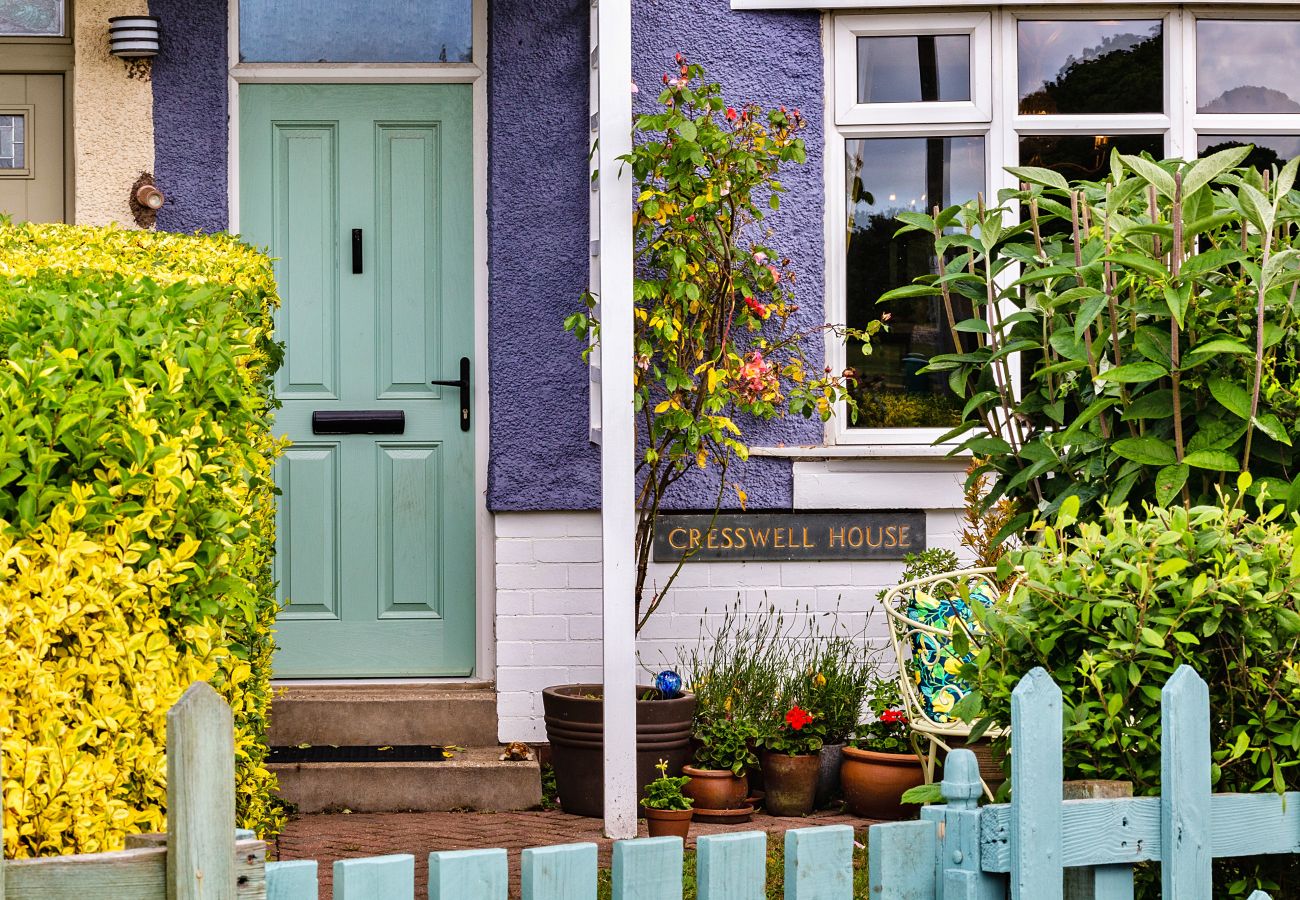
667	810
880	764
791	761
720	777
843	670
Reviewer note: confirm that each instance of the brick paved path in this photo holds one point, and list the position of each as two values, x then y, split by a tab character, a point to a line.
328	837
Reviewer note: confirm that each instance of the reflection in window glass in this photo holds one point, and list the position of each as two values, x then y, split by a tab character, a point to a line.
1085	156
429	31
1247	66
13	141
887	176
1076	67
31	18
914	68
1270	149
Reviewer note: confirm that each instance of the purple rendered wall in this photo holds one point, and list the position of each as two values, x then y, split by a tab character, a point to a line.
537	223
189	114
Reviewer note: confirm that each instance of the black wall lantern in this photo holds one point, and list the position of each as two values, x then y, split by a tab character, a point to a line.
133	37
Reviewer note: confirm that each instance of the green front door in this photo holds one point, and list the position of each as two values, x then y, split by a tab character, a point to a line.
362	193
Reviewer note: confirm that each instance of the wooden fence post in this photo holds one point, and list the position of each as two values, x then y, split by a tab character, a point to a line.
647	869
960	874
731	866
200	797
566	872
1036	776
1185	863
468	873
901	860
1098	882
819	863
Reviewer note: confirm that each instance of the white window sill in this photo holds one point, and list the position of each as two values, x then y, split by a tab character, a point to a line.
861	451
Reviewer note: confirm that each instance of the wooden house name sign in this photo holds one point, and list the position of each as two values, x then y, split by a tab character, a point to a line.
789	536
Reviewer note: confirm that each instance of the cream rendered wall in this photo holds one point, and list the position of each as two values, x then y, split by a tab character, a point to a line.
113	116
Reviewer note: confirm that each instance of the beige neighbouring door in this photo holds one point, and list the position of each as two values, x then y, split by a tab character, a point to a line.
32	157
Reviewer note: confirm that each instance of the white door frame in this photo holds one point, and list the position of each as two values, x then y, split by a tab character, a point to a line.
473	73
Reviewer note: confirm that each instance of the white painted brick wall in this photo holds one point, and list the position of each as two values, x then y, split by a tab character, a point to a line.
548	623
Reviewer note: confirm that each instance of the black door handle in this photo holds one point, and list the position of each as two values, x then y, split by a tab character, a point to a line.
356	251
463	384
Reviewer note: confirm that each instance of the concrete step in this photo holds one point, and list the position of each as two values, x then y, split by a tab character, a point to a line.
474	779
379	714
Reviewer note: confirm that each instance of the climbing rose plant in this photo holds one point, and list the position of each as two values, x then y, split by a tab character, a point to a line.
716	340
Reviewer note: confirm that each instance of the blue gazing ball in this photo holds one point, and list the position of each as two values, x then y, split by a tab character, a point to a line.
669	684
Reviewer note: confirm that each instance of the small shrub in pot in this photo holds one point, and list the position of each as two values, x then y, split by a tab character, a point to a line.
667	809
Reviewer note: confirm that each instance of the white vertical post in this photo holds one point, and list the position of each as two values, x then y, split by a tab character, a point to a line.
613	239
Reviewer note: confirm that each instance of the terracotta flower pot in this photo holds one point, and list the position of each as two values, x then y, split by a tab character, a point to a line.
669	822
715	788
874	782
790	783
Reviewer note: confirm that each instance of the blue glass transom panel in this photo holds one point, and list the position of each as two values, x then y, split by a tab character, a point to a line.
31	18
343	31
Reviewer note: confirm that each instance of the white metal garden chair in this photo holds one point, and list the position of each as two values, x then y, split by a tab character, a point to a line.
904	631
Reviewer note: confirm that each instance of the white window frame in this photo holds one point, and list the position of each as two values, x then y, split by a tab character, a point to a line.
1003	126
977	26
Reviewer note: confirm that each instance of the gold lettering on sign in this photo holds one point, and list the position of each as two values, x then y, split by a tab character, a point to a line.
672	539
695	538
891	535
778	540
807	545
904	539
855	536
712	540
759	538
879	538
835	536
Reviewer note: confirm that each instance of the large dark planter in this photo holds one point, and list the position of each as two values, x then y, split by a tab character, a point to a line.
828	776
574	727
874	783
791	783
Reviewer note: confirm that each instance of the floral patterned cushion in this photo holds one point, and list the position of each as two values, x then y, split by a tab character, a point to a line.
936	669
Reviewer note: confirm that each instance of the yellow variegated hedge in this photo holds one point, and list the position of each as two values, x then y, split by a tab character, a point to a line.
136	521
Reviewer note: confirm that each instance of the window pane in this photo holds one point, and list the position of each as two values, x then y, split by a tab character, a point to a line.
1076	67
1270	149
31	18
13	142
887	176
376	31
1247	66
914	68
1085	156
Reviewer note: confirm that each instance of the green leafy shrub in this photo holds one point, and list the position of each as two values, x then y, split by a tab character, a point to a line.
726	744
1155	317
136	521
1112	607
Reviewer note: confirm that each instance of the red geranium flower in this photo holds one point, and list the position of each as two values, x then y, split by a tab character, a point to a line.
893	715
797	718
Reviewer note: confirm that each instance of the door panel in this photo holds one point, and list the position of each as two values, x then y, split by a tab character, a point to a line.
32	151
375	559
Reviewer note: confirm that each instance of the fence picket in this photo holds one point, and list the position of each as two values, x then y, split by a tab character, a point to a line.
1185	871
200	802
1112	883
292	880
481	874
648	869
900	861
566	872
375	878
1036	776
819	863
731	866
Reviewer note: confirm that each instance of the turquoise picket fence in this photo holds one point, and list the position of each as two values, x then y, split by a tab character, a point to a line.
961	851
957	851
818	866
